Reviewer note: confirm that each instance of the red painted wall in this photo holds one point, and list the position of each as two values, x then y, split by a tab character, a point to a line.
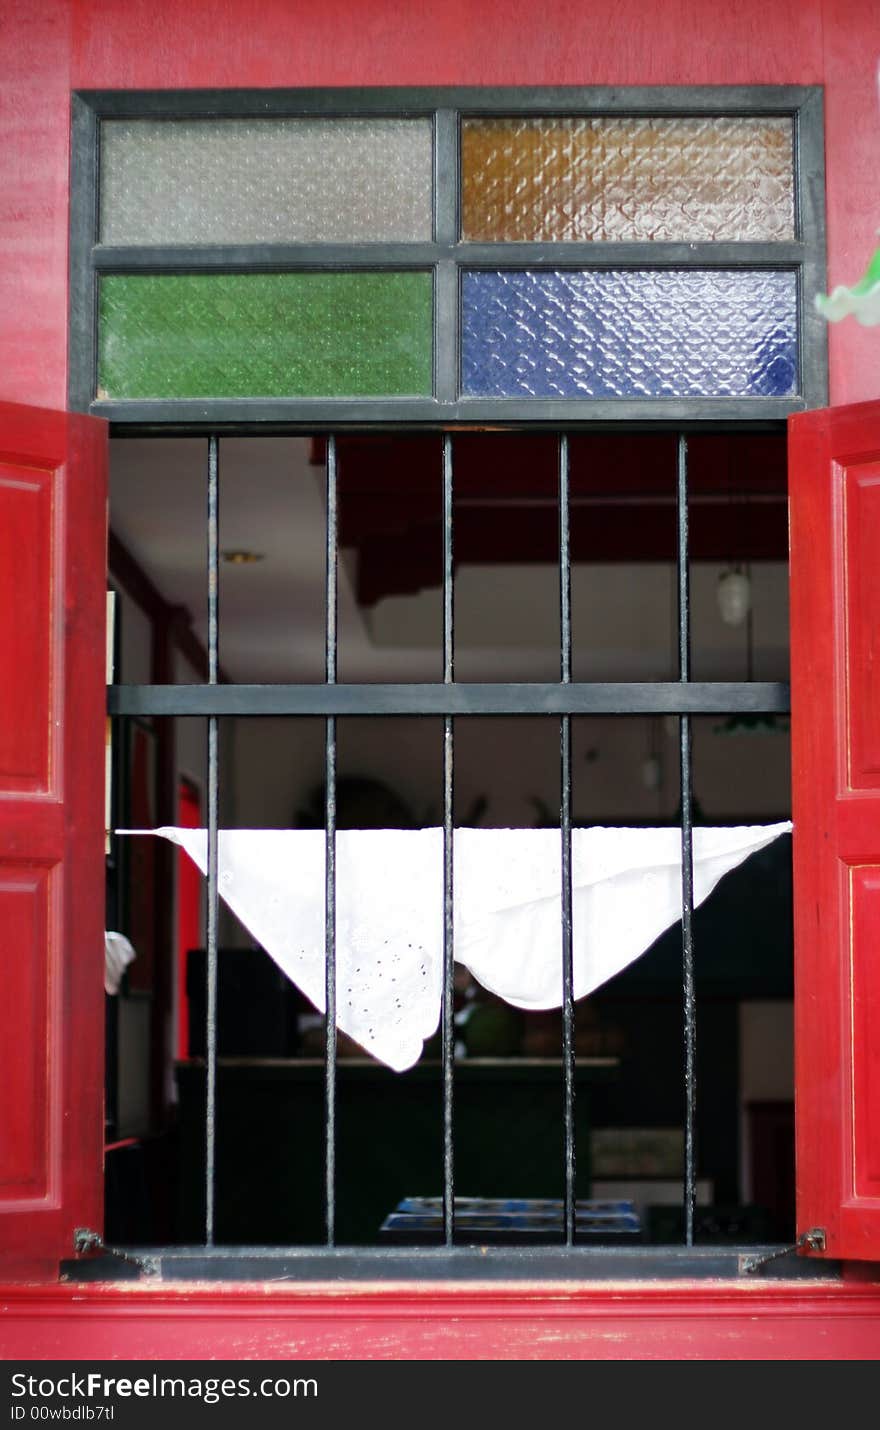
48	47
677	1320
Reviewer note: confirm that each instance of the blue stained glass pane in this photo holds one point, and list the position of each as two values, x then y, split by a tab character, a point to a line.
614	333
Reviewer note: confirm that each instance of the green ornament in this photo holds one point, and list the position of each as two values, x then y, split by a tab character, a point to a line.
863	300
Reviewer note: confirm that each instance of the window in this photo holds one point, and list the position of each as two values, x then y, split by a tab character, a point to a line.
416	291
417	470
453	256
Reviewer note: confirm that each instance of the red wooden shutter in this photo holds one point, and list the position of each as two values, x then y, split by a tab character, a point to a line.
835	671
52	673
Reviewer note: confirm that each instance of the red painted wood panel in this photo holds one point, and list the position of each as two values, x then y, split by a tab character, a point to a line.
865	971
116	43
835	607
676	1321
861	496
26	586
51	832
25	918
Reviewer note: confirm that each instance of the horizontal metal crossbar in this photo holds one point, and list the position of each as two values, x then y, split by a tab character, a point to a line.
260	257
662	697
291	415
398	101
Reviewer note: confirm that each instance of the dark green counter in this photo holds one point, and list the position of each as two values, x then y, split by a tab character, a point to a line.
270	1144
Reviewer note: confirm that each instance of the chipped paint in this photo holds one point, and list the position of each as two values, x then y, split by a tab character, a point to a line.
407	1321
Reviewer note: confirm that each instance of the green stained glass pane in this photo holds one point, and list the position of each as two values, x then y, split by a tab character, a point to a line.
265	335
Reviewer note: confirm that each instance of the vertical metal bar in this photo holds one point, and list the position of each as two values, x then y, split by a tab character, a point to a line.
448	866
330	863
568	1060
687	854
213	819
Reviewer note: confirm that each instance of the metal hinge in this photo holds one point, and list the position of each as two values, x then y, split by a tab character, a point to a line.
813	1240
86	1240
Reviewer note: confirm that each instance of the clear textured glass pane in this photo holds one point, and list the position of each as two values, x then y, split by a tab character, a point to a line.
613	333
265	180
265	335
699	178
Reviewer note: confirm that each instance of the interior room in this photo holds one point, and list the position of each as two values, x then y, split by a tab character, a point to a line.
628	1033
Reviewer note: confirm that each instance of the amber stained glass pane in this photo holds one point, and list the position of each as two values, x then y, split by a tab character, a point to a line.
694	179
265	335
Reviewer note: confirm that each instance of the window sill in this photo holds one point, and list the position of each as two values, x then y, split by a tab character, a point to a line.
462	1266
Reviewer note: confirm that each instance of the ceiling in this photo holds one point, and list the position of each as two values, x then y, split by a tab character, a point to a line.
623	539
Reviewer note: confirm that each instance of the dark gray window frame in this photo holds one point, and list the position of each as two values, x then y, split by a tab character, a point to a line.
451	699
447	256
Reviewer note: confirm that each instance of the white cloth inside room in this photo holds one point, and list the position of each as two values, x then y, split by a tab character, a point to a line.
118	954
626	890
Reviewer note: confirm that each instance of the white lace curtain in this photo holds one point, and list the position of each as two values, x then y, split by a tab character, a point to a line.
626	889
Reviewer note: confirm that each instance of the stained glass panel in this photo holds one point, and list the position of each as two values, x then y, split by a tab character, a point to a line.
628	179
265	335
265	180
629	334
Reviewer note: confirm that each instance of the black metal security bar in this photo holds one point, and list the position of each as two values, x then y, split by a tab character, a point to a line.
565	835
687	853
330	648
561	699
213	836
661	697
448	1036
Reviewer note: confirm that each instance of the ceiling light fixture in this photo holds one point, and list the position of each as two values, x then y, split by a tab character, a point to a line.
242	558
744	722
734	596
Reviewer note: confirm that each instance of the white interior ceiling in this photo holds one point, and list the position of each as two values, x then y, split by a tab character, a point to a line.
272	611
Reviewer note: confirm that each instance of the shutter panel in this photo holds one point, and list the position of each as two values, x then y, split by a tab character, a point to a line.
835	671
52	674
